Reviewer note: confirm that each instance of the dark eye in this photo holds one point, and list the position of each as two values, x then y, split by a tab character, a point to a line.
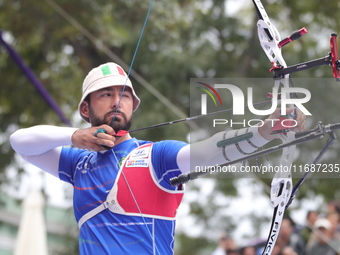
124	94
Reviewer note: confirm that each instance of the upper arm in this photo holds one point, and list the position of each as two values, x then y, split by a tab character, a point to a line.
42	145
165	160
183	159
48	161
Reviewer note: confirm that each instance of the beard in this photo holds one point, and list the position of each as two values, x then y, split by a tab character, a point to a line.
117	123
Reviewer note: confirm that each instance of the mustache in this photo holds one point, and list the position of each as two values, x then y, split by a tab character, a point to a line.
115	114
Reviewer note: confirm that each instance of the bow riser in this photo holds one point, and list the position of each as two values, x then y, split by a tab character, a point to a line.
269	43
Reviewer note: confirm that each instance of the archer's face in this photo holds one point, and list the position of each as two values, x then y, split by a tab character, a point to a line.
111	104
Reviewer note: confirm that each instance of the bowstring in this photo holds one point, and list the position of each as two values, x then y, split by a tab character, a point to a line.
133	58
114	117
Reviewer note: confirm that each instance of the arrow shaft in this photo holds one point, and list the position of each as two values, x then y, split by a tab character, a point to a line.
194	117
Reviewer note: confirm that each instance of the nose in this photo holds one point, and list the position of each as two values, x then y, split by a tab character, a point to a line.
115	102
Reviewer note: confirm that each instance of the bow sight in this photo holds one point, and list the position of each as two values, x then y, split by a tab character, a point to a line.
331	59
271	43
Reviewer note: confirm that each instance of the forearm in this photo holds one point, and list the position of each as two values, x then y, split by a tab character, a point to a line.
206	152
40	139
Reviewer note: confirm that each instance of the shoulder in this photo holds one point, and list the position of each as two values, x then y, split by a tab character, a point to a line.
169	144
167	150
161	146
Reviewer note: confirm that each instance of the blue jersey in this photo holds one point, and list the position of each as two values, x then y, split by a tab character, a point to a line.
93	174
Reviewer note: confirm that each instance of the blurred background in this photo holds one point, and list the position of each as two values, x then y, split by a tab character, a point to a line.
61	41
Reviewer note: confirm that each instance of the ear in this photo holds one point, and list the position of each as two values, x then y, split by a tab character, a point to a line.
85	109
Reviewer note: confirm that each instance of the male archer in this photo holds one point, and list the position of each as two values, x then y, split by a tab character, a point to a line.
123	200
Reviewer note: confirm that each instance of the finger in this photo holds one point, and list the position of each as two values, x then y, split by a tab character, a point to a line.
301	123
105	136
105	140
99	131
294	113
300	127
108	129
301	120
276	114
303	126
